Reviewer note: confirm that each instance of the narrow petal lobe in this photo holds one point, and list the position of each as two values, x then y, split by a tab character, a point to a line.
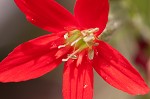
31	59
117	71
92	13
78	80
46	14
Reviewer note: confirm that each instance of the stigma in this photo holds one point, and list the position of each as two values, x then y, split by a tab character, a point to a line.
80	40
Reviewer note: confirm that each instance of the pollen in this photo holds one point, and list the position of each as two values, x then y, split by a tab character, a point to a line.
80	40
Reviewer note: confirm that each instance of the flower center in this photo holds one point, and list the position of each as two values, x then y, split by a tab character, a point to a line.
80	40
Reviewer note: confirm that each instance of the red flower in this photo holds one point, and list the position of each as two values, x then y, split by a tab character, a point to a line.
74	41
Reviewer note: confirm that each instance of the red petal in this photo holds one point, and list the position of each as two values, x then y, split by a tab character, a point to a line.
30	60
117	71
92	13
80	58
47	14
78	81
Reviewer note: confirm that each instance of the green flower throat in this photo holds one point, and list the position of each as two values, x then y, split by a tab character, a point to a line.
80	40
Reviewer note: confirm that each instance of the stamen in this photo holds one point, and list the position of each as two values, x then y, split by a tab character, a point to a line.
76	41
91	54
66	36
94	30
61	46
89	31
96	44
64	60
73	56
80	40
89	38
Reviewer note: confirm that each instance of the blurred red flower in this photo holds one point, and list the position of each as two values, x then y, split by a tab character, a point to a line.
74	40
141	58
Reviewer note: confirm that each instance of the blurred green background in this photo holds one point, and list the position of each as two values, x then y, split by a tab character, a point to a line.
131	36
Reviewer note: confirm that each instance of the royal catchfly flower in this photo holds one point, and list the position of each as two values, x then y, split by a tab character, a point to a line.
74	40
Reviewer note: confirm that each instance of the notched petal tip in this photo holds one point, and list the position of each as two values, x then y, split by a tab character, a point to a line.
144	91
138	90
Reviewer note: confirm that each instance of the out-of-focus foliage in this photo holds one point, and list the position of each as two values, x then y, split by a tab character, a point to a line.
134	17
132	37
